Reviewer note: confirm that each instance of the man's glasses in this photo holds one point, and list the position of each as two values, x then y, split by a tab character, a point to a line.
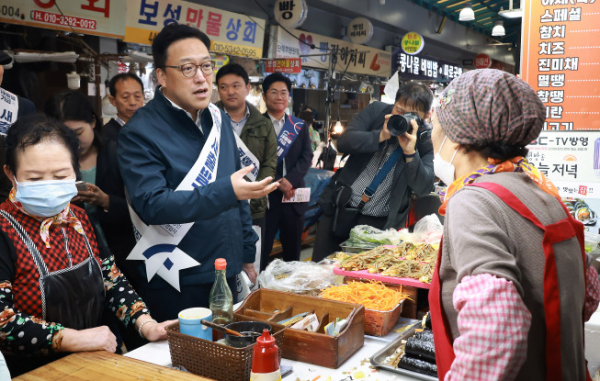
190	69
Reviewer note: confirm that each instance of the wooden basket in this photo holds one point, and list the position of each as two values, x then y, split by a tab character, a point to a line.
310	347
211	359
380	323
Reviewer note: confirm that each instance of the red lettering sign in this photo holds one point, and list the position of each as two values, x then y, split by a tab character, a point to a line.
483	61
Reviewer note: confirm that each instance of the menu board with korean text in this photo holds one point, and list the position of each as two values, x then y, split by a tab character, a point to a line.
561	58
230	33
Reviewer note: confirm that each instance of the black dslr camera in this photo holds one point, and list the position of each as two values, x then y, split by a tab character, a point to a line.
398	125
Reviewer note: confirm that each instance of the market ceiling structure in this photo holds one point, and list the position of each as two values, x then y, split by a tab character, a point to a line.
486	14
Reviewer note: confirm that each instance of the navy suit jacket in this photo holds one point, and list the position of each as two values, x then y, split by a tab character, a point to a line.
297	162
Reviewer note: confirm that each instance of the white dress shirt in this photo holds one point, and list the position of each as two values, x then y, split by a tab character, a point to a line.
278	125
198	120
239	126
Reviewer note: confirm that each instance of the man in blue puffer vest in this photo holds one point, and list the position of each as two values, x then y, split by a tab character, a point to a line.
179	161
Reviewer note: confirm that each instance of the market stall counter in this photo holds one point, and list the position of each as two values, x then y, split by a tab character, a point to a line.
358	366
101	365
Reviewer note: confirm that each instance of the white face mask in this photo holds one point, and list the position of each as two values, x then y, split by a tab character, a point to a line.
443	169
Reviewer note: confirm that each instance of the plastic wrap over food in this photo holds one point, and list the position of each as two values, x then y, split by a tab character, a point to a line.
298	277
366	236
429	229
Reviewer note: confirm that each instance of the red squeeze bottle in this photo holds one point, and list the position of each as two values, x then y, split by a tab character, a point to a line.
265	359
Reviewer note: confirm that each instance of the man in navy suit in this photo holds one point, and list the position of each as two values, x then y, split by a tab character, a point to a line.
294	156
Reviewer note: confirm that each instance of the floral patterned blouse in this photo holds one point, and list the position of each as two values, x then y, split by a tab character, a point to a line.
22	331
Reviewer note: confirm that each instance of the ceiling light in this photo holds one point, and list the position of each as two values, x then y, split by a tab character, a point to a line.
511	13
467	14
498	30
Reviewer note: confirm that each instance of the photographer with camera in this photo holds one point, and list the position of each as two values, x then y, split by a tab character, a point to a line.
391	156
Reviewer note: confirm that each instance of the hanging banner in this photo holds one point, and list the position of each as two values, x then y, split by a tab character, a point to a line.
423	68
96	17
359	59
560	54
230	33
284	65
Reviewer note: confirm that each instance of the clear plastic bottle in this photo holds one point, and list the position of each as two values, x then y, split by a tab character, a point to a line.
220	298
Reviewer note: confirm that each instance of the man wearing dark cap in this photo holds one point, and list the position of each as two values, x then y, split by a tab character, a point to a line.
12	107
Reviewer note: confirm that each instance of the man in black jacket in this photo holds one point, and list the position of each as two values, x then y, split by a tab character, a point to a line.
292	164
369	143
127	95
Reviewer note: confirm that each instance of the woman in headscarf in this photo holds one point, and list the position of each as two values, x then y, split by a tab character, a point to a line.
513	285
56	279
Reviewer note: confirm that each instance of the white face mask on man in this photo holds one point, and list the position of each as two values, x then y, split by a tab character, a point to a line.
444	170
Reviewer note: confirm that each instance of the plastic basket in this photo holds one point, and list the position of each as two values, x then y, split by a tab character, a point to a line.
380	323
211	359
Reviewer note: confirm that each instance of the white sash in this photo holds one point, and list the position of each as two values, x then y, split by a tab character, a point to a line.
247	158
9	109
157	244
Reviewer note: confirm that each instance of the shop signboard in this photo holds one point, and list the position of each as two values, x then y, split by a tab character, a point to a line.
230	33
290	13
423	68
483	61
360	30
413	43
571	160
284	65
96	17
357	59
560	54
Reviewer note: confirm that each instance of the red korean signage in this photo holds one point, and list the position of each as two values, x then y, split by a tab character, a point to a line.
483	61
287	65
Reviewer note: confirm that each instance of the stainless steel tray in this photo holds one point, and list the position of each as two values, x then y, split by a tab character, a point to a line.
378	359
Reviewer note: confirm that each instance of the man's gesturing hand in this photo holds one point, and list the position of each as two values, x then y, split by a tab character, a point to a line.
245	190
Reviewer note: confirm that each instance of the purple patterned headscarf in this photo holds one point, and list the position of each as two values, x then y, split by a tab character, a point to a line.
488	106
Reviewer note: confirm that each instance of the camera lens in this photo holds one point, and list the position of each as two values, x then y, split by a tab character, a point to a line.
397	125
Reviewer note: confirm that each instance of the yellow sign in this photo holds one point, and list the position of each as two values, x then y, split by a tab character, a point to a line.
412	43
230	33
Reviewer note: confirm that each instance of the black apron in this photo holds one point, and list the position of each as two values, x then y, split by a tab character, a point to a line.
74	296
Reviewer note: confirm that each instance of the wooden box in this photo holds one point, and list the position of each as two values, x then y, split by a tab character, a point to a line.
310	347
380	323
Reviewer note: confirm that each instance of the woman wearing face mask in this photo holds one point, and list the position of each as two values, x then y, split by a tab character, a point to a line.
513	285
56	280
